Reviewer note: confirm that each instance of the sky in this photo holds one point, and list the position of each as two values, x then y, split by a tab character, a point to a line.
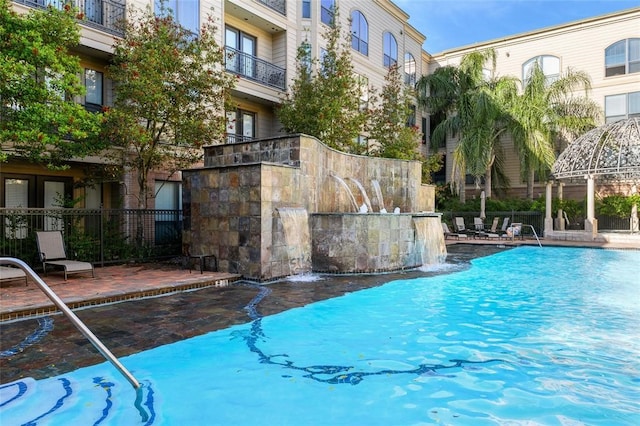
449	24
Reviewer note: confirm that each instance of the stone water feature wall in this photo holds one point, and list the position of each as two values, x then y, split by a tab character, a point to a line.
234	206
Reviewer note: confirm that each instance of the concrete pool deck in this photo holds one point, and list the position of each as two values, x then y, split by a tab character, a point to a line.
136	281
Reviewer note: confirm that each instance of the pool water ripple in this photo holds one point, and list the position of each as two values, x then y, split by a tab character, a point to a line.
528	336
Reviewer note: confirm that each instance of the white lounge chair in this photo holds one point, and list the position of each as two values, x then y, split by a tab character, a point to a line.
447	233
8	273
51	251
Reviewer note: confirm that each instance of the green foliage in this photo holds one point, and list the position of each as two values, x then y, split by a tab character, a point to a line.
430	165
475	112
172	95
39	78
544	114
393	138
617	205
326	104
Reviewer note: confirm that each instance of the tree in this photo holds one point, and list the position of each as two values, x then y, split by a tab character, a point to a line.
172	93
393	137
326	104
545	113
474	105
39	79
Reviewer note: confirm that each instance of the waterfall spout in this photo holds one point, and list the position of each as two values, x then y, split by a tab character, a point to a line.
344	185
429	241
378	192
363	192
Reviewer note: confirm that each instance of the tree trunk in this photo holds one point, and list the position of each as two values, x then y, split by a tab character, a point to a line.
530	179
487	183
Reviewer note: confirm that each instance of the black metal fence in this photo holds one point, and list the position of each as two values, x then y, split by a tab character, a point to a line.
100	236
536	219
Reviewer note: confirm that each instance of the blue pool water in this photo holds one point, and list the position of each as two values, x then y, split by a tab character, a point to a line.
528	336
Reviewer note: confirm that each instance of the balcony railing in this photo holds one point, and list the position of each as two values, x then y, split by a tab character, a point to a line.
279	6
104	15
255	69
234	138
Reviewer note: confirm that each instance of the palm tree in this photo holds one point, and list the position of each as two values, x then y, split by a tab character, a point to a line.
475	107
546	113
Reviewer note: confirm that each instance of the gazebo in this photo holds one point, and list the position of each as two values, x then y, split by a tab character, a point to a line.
609	153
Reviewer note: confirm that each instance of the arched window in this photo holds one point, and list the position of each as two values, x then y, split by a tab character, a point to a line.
409	69
622	57
359	33
390	50
550	66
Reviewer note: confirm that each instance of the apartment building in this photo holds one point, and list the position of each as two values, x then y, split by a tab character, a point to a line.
606	47
261	38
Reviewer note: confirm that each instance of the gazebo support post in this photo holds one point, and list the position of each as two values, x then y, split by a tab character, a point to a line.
591	223
560	225
634	225
548	219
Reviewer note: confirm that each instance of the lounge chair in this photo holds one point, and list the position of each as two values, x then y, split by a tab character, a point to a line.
505	225
51	251
478	224
447	233
492	232
7	273
461	228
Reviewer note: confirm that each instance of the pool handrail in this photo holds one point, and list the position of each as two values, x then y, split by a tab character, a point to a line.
534	233
72	317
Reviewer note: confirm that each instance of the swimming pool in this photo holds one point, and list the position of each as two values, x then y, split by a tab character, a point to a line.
546	336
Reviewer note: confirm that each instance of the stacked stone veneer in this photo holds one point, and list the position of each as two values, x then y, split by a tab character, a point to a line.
230	205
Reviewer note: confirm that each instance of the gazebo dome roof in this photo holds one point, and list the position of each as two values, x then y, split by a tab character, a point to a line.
611	152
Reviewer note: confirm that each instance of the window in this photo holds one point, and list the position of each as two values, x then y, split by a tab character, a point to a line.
550	66
409	70
363	84
167	219
411	118
306	9
185	12
327	11
359	33
241	126
241	52
620	107
93	84
622	57
306	58
390	49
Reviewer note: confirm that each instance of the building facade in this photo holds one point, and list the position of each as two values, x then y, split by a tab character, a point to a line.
261	38
605	47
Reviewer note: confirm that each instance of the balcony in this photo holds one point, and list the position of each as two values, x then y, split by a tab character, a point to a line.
103	15
252	68
279	6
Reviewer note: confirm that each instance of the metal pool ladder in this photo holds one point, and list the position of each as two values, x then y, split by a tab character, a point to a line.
534	233
72	317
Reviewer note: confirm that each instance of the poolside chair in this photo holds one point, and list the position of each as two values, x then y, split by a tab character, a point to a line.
461	228
492	233
505	225
478	224
447	233
51	251
8	273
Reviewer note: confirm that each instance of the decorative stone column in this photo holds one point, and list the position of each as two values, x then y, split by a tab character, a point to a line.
548	219
591	223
